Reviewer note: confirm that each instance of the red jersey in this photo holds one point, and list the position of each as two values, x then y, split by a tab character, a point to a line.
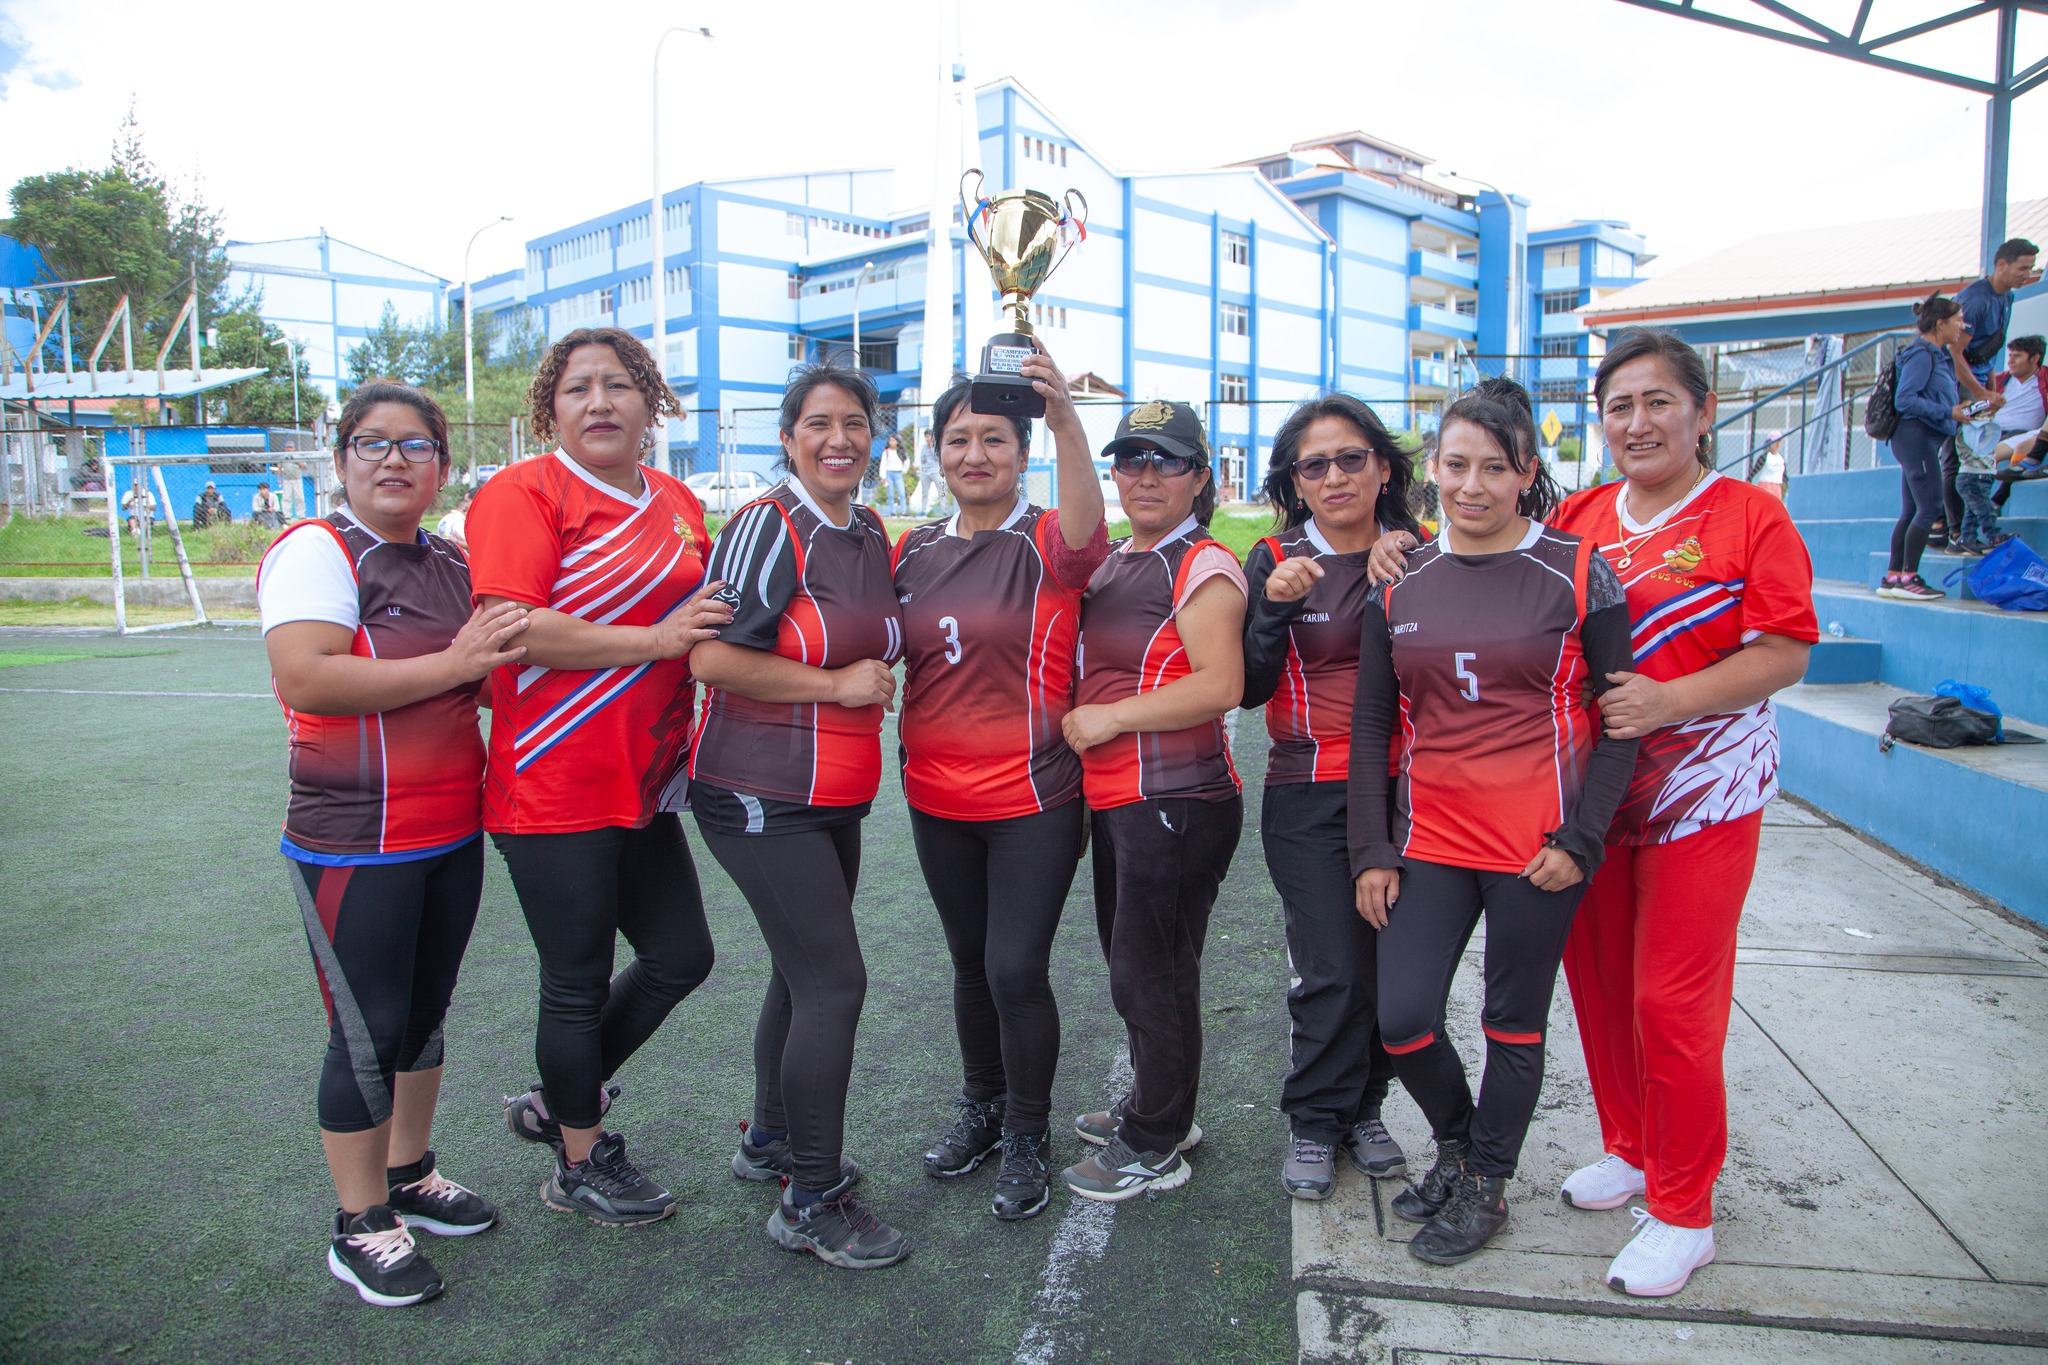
576	749
819	594
1490	656
1704	578
1301	658
400	784
988	639
1129	645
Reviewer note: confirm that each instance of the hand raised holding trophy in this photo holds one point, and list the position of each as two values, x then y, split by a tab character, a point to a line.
1022	235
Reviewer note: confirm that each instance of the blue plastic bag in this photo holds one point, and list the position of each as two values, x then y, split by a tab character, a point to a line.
1976	698
2013	577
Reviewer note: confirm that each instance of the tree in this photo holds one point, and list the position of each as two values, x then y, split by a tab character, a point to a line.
244	339
430	358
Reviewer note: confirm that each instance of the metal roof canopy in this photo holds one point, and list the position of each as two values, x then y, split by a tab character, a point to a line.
2006	85
59	387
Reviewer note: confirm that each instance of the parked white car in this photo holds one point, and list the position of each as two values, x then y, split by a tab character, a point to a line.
729	492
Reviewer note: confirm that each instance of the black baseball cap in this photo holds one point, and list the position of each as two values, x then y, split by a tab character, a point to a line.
1172	427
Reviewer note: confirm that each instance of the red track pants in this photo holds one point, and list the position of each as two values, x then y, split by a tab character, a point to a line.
1651	965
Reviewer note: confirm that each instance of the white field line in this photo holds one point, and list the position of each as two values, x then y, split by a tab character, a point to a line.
1082	1239
95	692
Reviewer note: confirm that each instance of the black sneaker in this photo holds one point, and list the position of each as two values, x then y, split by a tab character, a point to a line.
1420	1203
527	1116
1117	1173
775	1161
1374	1151
838	1229
374	1252
1476	1210
977	1132
1100	1126
1024	1183
439	1205
607	1188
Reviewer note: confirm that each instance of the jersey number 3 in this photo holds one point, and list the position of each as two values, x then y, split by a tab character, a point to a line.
952	629
1467	680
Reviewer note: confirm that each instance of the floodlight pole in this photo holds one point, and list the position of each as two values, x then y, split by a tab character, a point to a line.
657	255
468	329
291	353
866	269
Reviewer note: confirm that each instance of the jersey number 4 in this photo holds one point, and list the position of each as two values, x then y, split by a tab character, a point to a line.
1468	681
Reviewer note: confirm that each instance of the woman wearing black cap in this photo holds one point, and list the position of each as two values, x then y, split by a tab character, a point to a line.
1159	662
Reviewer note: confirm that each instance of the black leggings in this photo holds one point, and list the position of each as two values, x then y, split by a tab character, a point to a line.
1426	934
1916	447
999	886
387	941
580	892
800	886
1341	1069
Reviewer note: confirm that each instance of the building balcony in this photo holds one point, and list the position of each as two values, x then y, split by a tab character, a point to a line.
1559	325
1434	265
1429	374
1444	322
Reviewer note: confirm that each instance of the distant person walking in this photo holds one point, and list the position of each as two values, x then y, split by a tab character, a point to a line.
893	498
376	656
1986	306
1924	394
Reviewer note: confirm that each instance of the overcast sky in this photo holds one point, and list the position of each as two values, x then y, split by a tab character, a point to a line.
403	127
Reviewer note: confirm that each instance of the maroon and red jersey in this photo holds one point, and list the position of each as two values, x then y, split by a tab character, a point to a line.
395	785
819	594
989	624
1301	658
1493	656
1128	646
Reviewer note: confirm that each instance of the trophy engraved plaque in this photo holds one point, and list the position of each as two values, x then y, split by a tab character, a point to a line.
1022	235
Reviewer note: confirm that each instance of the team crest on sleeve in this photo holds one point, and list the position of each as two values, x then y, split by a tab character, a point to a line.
683	534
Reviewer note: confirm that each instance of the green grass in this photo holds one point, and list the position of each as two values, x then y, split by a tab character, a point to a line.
76	547
24	658
82	611
168	1200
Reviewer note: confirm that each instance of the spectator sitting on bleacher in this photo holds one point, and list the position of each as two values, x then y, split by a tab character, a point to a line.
211	509
263	506
2023	420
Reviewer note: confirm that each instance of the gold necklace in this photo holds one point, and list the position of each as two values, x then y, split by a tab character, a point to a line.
1629	543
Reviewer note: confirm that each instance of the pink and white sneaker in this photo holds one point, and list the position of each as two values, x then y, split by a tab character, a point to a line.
1660	1258
1608	1183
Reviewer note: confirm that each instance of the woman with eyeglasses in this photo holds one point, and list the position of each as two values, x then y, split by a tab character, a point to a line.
991	604
377	657
602	552
1337	481
1159	662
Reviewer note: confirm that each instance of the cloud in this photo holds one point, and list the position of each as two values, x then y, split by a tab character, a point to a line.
16	59
56	80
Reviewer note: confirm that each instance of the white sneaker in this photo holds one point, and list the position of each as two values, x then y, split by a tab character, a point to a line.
1608	1183
1660	1258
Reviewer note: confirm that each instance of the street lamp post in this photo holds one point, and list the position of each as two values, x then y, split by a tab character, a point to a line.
291	354
1517	250
866	268
657	261
468	330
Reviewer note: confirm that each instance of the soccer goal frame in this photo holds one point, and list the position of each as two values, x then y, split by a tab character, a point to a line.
146	483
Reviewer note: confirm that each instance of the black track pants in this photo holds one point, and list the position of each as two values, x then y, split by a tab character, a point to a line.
800	887
1158	865
1341	1069
1432	921
999	886
387	941
1916	446
581	892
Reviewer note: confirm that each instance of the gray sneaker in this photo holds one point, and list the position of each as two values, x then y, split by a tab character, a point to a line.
1374	1151
1307	1173
1100	1126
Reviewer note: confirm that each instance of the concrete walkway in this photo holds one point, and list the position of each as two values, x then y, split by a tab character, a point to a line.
1884	1196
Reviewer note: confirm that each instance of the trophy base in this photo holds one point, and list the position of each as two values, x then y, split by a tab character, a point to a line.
999	390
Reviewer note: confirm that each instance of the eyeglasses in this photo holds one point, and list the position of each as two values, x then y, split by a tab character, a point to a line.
377	449
1135	462
1315	466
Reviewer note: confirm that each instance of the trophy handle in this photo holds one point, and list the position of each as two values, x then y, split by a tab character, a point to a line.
1077	214
971	204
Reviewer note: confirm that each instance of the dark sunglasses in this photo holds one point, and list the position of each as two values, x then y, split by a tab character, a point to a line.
1135	462
1315	466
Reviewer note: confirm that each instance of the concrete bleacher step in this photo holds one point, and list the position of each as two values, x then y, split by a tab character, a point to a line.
1973	814
1843	659
1845	518
1924	643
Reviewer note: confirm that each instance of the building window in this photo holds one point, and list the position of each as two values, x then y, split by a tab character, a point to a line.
1466	308
675	217
793	224
1237	248
606	301
796	346
1562	302
1237	320
1235	388
1560	346
1561	257
678	280
796	286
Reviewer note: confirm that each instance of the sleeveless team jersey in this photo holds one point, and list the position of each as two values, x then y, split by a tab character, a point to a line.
1720	568
988	639
405	783
578	749
1495	726
1130	645
1308	716
819	594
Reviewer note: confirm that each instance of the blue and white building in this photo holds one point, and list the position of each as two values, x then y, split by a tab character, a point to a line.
1336	264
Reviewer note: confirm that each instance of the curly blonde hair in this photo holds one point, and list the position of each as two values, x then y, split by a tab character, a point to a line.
632	353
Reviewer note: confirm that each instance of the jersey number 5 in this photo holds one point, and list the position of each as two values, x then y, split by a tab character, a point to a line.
952	629
1468	681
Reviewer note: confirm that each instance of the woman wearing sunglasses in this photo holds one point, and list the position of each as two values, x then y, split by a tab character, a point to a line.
376	657
1159	662
1338	481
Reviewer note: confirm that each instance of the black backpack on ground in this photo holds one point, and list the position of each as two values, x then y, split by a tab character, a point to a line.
1880	418
1937	723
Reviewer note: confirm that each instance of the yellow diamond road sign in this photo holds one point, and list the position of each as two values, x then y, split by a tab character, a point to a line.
1551	428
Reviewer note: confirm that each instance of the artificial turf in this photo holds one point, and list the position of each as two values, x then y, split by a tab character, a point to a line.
167	1199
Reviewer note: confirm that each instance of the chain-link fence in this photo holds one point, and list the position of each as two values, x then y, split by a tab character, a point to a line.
1802	402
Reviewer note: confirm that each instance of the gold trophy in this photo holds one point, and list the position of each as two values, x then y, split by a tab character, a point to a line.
1023	237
